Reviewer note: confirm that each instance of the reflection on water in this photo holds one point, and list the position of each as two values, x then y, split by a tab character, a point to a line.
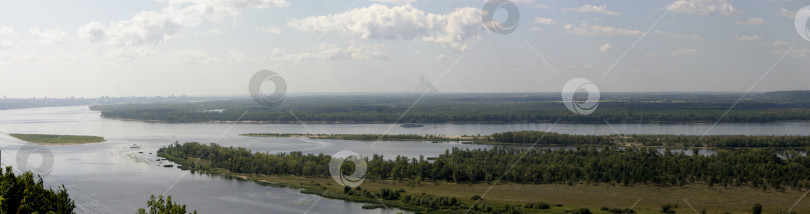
111	177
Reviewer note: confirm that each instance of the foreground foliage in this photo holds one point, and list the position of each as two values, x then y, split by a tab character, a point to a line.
25	194
160	206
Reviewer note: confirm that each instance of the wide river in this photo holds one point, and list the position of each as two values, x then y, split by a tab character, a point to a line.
111	177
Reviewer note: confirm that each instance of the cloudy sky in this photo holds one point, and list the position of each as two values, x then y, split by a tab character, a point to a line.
90	48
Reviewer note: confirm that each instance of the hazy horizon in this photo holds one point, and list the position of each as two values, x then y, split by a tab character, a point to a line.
294	94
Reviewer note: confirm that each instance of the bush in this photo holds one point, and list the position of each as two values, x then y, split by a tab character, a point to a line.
668	208
757	209
579	211
476	197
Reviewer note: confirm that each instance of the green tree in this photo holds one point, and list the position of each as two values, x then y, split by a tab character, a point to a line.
159	206
24	194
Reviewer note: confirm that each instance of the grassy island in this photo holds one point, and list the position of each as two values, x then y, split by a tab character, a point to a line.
52	139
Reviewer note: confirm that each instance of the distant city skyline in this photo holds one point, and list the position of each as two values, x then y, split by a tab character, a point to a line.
212	48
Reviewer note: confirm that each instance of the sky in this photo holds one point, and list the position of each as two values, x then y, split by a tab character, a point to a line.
91	48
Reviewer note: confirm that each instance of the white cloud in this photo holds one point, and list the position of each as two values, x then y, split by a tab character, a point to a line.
92	31
605	48
394	1
787	13
50	36
704	7
5	44
535	29
592	9
546	21
333	52
596	30
7	31
795	53
752	21
147	27
399	23
213	31
742	37
269	29
440	57
153	27
776	43
679	36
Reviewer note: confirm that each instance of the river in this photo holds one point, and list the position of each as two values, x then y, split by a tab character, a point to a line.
111	177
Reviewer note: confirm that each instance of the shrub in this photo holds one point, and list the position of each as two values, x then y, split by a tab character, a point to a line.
757	209
668	208
579	211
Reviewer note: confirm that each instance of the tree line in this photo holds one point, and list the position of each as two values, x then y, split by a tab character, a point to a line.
551	138
760	168
467	108
717	141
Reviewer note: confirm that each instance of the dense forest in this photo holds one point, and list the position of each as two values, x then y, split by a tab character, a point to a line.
478	108
557	139
716	141
362	137
759	168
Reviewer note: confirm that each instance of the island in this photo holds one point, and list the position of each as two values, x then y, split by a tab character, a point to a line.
741	172
53	139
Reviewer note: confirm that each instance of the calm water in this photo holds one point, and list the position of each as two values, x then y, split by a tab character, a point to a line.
110	177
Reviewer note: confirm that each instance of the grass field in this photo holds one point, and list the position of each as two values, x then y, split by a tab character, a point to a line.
57	139
647	198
